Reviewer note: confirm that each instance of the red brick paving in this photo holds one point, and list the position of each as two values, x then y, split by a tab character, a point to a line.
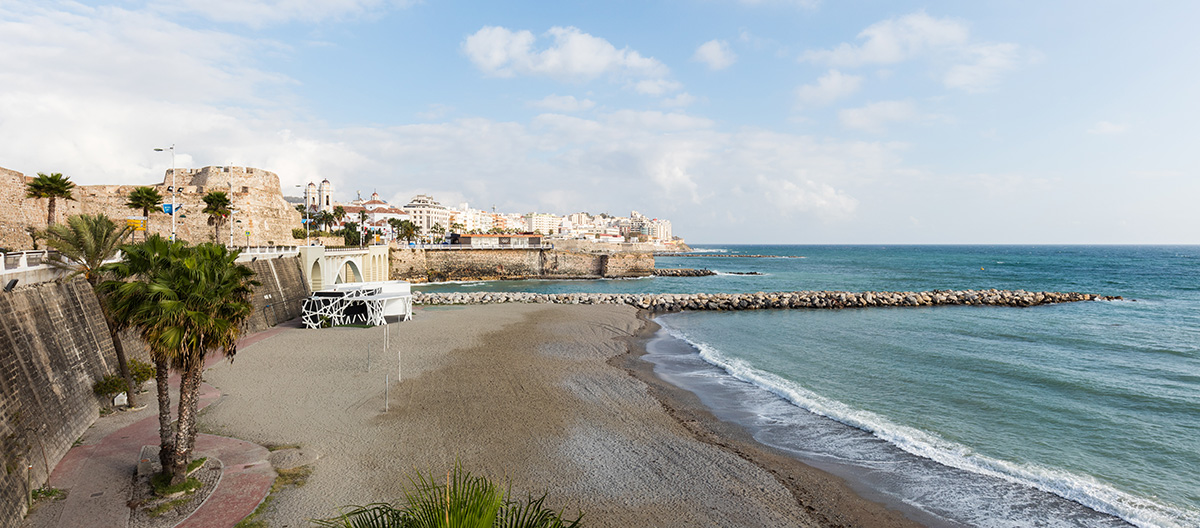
97	475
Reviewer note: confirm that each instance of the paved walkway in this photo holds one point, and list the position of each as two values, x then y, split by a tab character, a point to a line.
98	475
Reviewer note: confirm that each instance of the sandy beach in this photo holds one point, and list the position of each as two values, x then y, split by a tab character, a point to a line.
551	398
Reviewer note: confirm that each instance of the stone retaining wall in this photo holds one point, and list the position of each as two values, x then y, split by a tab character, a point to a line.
774	300
423	265
54	346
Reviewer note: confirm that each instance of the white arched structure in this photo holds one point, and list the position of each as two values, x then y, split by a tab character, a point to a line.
326	267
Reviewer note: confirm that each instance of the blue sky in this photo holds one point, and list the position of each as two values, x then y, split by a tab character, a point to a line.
785	121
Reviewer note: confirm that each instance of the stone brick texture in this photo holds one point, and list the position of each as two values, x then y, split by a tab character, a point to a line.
421	265
54	346
256	196
280	294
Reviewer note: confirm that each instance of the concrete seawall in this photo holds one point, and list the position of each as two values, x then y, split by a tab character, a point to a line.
774	300
429	264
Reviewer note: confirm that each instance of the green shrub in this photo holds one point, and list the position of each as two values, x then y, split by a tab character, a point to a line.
141	371
162	484
464	501
110	386
298	232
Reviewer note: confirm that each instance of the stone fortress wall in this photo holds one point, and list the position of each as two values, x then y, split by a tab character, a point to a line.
54	346
425	265
256	197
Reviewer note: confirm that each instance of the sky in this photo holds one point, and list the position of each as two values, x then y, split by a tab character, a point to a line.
741	121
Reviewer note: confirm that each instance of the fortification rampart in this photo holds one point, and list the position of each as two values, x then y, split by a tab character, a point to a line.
256	197
422	265
54	346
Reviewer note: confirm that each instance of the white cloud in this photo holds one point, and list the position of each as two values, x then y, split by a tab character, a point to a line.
974	66
895	40
803	195
563	103
876	116
573	56
1106	128
258	13
656	86
985	63
680	101
716	54
830	87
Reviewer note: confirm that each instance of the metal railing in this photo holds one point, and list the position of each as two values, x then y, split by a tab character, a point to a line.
21	260
468	246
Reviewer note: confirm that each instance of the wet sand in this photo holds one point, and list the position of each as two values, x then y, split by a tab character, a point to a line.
551	398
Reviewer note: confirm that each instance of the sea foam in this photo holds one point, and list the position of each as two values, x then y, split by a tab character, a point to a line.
1083	489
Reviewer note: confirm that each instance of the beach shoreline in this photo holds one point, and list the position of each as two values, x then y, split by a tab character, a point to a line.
827	497
548	398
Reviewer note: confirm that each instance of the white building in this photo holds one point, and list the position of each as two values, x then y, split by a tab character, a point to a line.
542	223
426	212
319	198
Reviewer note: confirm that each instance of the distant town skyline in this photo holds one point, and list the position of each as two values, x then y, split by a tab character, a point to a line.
751	121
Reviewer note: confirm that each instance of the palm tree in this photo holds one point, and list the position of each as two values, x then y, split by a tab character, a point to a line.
84	243
144	198
409	230
324	218
463	501
194	303
52	186
438	230
124	296
338	214
217	206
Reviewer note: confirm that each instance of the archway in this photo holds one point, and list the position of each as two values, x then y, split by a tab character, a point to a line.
349	272
315	277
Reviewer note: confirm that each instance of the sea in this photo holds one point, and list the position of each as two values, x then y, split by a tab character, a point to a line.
1079	414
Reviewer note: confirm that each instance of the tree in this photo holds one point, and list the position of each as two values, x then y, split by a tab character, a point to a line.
217	206
438	230
83	244
144	198
457	227
409	231
395	224
338	214
187	302
464	501
350	234
52	186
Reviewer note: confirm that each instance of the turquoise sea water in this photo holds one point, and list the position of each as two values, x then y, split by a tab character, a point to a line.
1082	414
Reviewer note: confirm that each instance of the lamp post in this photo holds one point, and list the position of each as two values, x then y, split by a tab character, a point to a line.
231	211
174	207
306	218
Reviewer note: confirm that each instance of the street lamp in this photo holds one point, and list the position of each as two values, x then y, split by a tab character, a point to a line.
231	211
306	218
173	187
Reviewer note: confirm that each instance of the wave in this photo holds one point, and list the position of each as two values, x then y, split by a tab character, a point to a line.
1083	489
727	274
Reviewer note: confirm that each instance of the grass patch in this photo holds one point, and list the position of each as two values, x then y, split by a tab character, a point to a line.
48	493
287	478
161	484
196	463
291	478
166	507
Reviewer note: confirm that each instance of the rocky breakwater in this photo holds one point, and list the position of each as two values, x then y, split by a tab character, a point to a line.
683	272
668	302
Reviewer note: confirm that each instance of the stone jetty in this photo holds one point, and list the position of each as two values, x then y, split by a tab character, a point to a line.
682	272
667	302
